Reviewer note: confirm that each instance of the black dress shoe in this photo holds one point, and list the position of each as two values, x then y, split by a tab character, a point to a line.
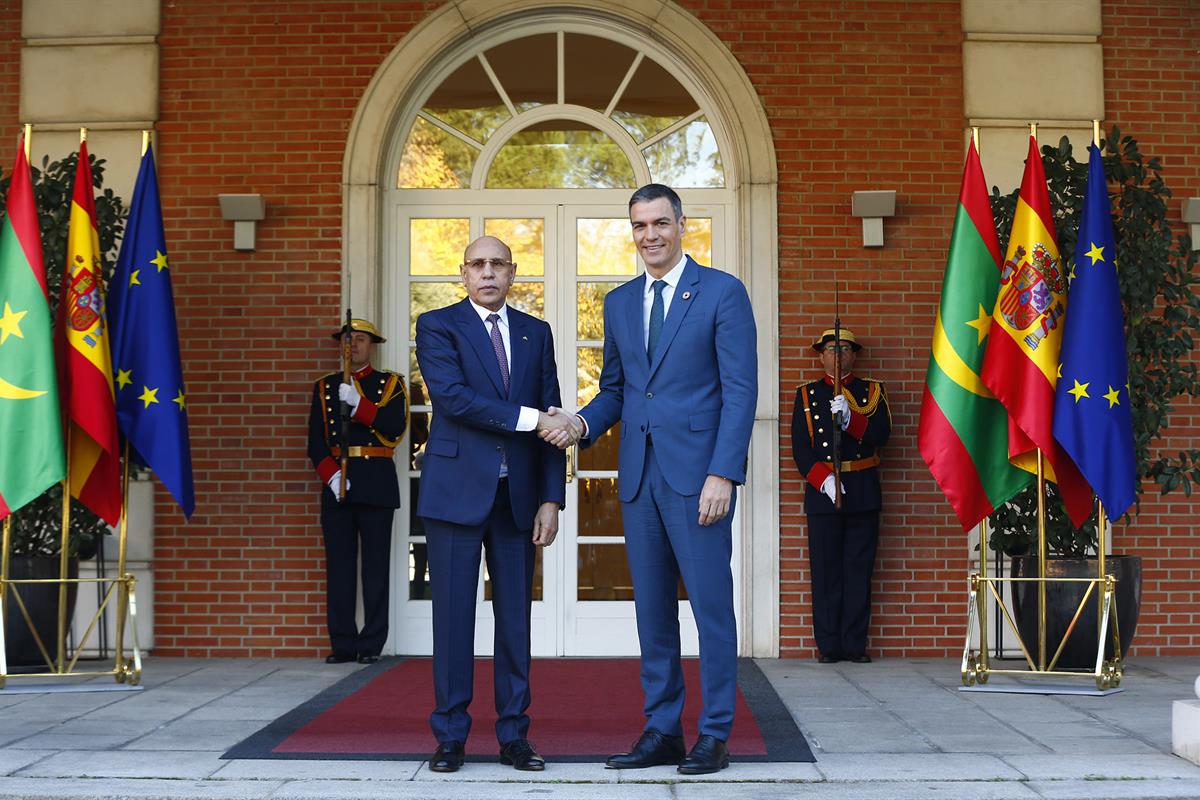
653	749
447	758
824	659
338	657
861	658
366	659
709	755
519	753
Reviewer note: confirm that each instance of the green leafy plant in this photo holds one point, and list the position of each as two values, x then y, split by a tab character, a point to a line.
1162	319
37	527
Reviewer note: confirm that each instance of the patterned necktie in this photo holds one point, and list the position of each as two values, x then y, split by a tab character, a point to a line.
498	346
656	318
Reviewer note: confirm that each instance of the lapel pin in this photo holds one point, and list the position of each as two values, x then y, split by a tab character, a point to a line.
687	295
524	338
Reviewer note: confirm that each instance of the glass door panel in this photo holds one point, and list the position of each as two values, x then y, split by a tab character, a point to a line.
429	251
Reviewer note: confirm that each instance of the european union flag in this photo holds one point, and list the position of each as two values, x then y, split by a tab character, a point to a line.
148	376
1092	419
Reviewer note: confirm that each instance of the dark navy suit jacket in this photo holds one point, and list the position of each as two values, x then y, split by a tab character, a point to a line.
474	419
696	399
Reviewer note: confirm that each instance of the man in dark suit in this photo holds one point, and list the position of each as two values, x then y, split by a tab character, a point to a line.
680	374
841	542
487	481
378	409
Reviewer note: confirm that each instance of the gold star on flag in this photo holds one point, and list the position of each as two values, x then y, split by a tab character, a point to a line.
1080	390
1059	374
124	378
148	396
180	400
1095	254
982	324
1113	397
133	280
10	323
159	260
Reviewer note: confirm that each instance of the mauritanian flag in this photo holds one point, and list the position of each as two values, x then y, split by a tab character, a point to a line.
963	432
31	458
1021	364
93	460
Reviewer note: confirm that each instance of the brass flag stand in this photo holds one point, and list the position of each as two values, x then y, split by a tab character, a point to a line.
976	665
125	670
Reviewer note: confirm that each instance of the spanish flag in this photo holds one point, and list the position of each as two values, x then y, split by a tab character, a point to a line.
93	461
1021	364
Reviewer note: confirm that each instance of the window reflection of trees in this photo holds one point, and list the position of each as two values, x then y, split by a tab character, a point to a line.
656	110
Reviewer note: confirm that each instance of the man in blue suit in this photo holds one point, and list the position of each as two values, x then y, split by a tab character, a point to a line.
487	481
680	375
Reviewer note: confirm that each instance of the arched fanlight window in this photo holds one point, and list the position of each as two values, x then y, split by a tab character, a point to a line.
559	110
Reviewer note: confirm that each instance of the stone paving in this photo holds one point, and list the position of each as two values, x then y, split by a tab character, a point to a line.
895	729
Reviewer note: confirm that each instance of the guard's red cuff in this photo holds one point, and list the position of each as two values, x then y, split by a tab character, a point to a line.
365	413
817	475
327	468
858	424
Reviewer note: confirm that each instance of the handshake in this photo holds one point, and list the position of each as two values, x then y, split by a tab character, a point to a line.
560	428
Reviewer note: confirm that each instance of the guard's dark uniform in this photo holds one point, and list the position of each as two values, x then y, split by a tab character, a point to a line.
841	544
375	428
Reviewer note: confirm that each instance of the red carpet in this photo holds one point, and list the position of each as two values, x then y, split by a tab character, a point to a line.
583	709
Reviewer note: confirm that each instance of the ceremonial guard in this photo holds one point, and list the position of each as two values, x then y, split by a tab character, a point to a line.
838	426
367	415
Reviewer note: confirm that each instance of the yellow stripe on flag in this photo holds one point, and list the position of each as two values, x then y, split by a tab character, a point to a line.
952	364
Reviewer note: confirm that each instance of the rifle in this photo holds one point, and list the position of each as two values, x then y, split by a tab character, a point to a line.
347	335
837	390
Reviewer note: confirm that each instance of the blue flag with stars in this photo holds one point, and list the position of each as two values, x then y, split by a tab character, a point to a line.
148	374
1092	419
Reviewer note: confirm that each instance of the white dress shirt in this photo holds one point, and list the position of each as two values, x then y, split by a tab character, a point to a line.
672	278
528	419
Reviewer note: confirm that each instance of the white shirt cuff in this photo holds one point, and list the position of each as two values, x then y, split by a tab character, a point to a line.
528	419
583	421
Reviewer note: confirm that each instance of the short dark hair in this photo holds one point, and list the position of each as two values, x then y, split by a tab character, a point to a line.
653	191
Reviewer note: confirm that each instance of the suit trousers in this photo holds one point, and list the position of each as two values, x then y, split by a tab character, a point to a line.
454	552
346	526
841	555
665	541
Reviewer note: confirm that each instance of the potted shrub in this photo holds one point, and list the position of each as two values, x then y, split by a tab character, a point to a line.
36	534
1162	318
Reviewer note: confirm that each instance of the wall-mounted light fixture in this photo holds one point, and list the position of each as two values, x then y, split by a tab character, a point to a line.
243	210
873	206
1191	215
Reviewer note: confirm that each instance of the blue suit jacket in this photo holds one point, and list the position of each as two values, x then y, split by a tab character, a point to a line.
474	419
696	398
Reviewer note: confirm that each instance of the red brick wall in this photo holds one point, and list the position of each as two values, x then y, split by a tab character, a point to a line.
10	76
860	95
1152	91
256	97
864	96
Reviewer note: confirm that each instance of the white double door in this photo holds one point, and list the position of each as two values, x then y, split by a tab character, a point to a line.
568	257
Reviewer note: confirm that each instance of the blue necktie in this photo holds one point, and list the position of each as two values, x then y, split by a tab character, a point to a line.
656	318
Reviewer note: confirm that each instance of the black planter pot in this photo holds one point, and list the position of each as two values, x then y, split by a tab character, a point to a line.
41	601
1062	599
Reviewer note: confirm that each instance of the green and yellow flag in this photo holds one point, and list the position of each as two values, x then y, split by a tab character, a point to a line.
963	433
31	457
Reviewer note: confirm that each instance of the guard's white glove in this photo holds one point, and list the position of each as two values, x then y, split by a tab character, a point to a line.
350	396
335	483
840	410
827	488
